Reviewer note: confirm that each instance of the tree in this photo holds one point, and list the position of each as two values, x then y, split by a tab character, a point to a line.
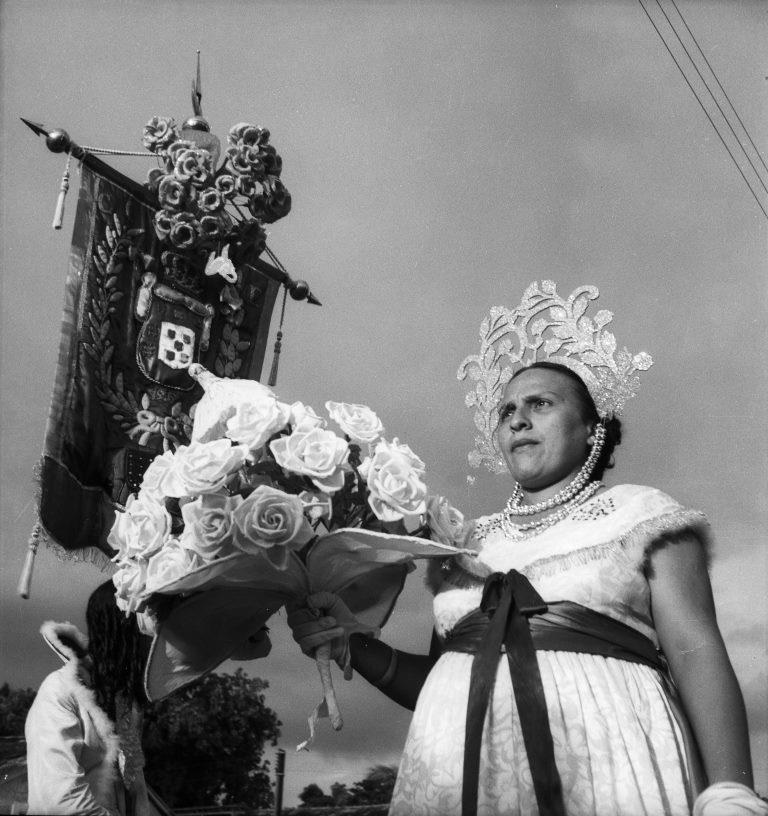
204	745
313	796
340	795
14	705
377	786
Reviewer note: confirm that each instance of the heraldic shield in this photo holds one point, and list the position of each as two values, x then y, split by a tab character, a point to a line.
176	330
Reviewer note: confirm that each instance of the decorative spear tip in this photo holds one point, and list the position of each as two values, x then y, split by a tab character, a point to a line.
299	290
37	129
58	140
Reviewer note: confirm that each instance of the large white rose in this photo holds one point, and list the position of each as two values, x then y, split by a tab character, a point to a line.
404	450
203	467
313	452
141	529
208	525
445	522
304	416
359	422
254	422
271	522
152	483
394	482
172	562
130	584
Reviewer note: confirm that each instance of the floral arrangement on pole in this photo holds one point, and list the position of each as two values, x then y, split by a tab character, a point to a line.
204	208
269	480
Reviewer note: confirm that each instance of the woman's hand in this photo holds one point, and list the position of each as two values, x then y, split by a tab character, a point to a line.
326	619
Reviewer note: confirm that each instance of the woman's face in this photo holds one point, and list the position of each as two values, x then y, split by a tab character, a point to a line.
542	434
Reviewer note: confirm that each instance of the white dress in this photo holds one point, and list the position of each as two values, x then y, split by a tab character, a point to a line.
618	744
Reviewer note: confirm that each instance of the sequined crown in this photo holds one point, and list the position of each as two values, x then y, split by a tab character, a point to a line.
544	326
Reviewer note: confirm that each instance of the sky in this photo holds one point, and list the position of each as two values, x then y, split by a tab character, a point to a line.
441	156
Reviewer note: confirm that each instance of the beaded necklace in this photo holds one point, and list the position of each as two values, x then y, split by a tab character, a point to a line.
539	525
515	507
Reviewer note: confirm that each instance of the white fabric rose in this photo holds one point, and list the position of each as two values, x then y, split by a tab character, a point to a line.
130	584
313	452
271	522
254	422
141	529
220	401
203	467
172	562
394	482
729	799
208	525
404	450
304	416
152	483
359	422
445	521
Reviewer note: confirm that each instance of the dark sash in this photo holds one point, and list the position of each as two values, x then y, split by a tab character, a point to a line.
513	618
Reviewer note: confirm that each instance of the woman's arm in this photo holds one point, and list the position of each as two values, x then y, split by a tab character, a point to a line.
400	675
684	615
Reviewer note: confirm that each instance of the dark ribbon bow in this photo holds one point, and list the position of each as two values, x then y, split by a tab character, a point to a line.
509	600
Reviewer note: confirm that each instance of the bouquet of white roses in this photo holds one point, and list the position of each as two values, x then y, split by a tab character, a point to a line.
266	496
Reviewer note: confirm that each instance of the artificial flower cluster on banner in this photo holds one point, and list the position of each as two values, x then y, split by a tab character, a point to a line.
204	207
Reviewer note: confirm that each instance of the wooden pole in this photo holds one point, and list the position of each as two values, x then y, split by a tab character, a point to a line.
279	776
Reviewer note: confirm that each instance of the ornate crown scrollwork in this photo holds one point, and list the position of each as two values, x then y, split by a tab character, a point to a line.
545	326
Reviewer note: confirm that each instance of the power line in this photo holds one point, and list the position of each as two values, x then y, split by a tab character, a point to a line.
714	99
706	112
735	113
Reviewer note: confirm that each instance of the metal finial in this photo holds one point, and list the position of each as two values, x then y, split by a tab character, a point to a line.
197	90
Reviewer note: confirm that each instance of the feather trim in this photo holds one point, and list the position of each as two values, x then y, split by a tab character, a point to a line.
106	774
56	635
458	571
658	532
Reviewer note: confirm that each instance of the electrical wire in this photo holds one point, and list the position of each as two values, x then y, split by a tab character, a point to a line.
706	112
735	112
714	99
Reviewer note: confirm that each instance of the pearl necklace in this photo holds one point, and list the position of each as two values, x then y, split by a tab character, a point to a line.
539	525
515	507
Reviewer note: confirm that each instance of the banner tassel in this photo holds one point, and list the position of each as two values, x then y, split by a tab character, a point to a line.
25	581
278	345
58	216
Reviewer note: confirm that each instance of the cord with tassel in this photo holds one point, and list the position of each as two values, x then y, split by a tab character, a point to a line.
278	344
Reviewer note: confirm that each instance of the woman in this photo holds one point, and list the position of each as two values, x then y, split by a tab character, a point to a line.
83	731
597	581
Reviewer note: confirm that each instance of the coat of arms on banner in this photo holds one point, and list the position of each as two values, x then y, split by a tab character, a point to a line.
176	330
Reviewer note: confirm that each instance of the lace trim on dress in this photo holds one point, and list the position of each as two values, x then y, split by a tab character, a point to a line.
649	534
552	564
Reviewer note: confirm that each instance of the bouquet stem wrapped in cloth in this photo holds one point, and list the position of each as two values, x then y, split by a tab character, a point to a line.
263	509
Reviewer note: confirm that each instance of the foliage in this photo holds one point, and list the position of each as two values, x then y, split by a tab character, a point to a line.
374	789
205	744
340	794
14	705
313	796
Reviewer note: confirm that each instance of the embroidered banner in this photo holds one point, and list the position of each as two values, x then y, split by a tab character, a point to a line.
134	319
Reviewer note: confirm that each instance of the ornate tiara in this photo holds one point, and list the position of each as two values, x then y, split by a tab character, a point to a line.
546	327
